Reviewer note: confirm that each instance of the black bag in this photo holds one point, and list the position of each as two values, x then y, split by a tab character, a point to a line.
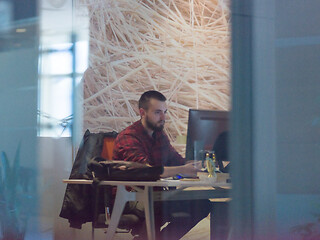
122	170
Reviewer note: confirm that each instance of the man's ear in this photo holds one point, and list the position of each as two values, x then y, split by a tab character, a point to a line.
142	112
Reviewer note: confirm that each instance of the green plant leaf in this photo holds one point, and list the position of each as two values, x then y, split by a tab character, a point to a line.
5	167
5	171
9	209
14	176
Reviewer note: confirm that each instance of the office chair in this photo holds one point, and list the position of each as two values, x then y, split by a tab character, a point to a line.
101	218
92	203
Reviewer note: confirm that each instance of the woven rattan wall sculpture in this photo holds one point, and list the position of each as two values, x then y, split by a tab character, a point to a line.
179	47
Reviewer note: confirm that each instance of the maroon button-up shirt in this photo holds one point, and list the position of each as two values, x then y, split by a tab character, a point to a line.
134	144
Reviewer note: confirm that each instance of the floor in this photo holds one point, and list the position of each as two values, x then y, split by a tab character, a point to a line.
200	232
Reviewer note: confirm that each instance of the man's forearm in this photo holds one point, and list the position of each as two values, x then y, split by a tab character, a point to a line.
189	170
172	171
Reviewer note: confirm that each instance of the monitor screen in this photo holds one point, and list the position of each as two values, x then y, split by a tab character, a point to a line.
206	128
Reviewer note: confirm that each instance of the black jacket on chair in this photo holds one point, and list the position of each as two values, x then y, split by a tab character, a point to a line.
77	204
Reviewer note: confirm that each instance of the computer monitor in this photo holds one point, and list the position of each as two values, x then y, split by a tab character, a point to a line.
205	127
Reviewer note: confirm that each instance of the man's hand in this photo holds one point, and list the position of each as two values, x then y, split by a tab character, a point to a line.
190	169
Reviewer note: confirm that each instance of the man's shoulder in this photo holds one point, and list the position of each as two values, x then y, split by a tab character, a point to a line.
133	129
130	135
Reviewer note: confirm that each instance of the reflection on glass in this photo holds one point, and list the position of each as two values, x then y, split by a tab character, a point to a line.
56	86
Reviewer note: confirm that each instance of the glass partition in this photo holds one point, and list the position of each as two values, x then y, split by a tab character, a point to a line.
43	54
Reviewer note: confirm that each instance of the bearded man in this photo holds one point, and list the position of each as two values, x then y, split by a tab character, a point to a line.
146	142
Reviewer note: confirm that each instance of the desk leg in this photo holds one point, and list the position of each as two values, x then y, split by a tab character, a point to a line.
121	198
149	212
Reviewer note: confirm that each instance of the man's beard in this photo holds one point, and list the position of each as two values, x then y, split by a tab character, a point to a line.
153	126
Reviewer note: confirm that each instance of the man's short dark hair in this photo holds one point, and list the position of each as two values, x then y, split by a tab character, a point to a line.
146	96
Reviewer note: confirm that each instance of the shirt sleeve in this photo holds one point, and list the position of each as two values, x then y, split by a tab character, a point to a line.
175	159
129	148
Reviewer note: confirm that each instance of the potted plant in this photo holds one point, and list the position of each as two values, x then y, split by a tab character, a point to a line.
16	197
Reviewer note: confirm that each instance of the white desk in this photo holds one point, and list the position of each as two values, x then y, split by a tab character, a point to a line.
186	190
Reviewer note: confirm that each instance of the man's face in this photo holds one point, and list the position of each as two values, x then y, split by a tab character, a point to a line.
155	115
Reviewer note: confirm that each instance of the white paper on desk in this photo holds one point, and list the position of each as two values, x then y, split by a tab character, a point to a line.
168	180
